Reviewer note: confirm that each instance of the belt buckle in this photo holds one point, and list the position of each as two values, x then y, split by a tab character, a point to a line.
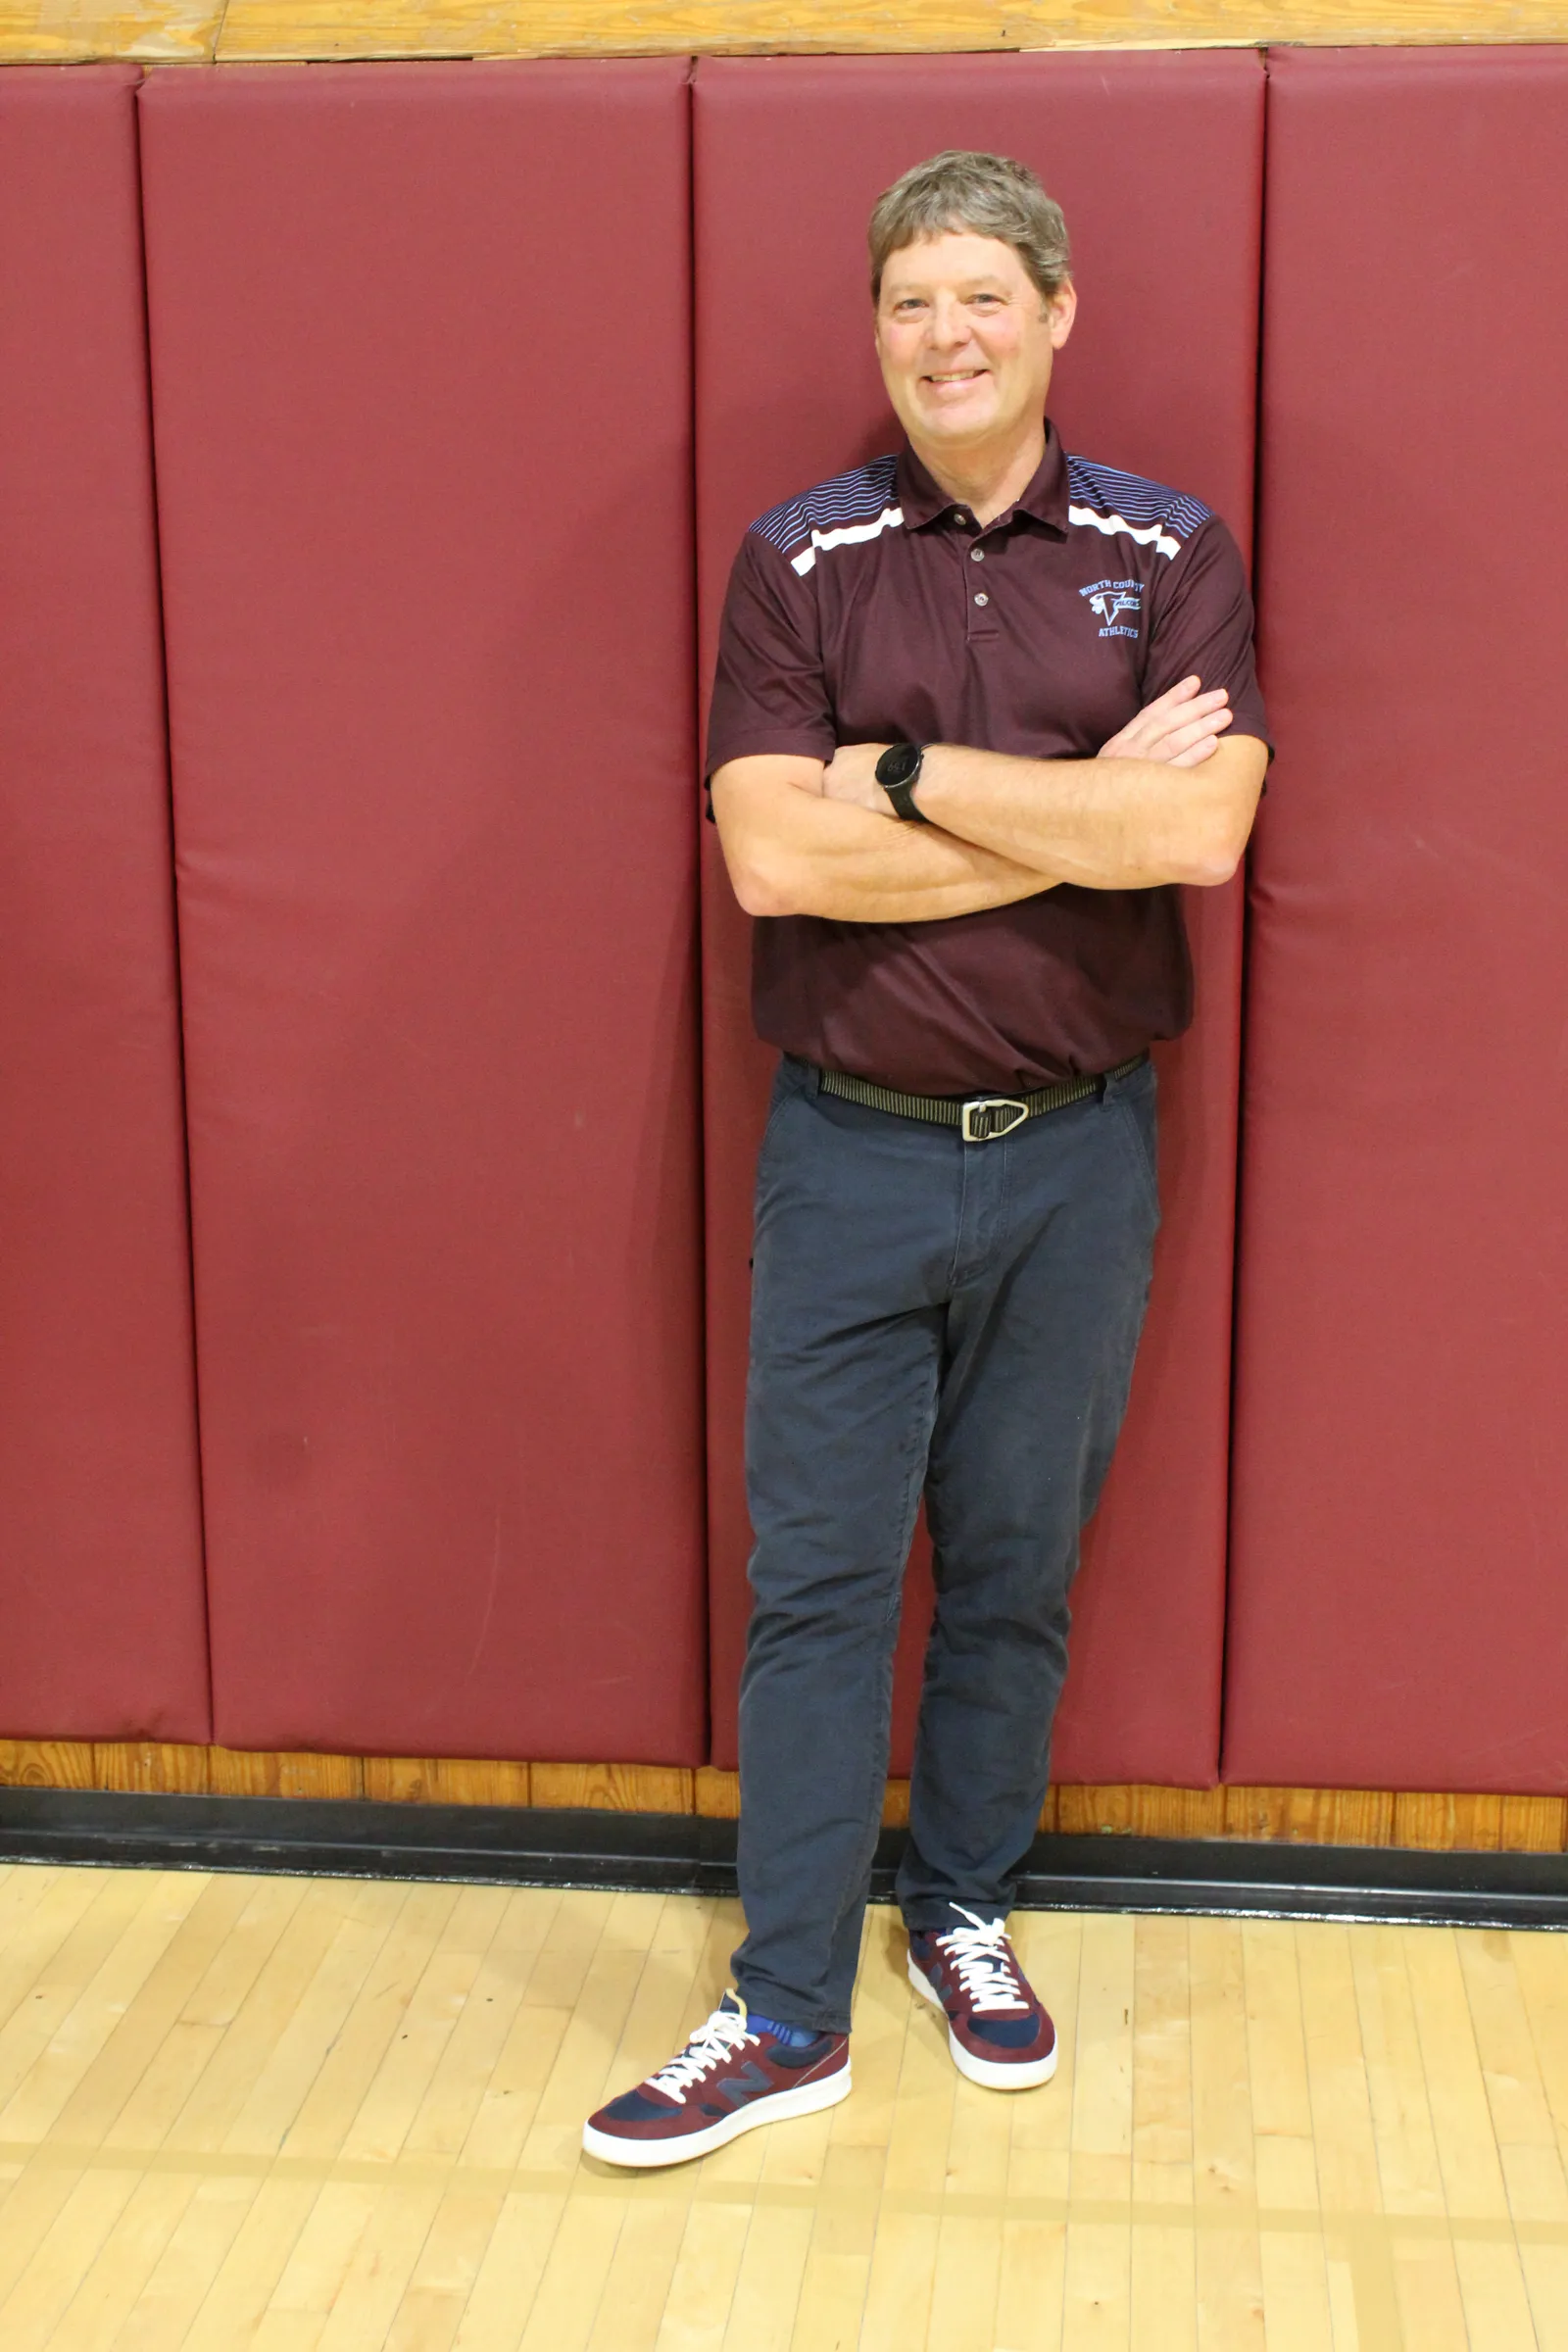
982	1122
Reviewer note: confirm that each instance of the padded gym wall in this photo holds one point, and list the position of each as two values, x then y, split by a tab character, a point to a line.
1401	1485
420	364
1158	162
100	1513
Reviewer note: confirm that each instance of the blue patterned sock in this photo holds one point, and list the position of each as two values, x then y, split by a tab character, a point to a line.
794	2037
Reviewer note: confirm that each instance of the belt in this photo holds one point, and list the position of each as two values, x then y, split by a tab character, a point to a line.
979	1118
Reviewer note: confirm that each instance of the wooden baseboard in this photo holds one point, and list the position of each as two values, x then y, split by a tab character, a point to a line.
202	31
1434	1821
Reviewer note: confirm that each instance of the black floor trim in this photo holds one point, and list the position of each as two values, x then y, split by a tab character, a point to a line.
682	1853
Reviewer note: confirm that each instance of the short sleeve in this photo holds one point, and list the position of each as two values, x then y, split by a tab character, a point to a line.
769	689
1201	626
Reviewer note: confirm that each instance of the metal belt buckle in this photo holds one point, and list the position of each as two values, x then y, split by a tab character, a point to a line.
991	1115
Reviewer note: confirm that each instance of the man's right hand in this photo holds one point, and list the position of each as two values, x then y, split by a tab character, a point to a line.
1178	728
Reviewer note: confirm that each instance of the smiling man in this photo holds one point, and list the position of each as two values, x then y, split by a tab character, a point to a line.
980	705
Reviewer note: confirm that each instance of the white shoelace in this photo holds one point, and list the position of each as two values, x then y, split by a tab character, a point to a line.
724	2032
984	1960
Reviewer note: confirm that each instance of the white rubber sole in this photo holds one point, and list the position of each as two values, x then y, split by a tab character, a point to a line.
993	2075
646	2155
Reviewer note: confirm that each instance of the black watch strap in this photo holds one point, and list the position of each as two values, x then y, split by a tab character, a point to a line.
897	772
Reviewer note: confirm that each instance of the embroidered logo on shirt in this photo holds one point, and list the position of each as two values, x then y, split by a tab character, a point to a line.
1110	598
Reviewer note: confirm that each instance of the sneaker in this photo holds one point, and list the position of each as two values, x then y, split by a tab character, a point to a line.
730	2076
997	2032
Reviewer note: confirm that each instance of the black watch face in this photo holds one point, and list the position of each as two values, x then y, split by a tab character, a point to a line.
899	764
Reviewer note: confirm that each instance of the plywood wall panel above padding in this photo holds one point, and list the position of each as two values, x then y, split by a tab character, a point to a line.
1402	1481
180	32
1158	163
420	346
102	1630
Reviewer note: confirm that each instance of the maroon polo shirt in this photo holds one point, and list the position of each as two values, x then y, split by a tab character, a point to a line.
873	610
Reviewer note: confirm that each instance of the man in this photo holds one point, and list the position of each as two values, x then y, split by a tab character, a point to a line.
978	707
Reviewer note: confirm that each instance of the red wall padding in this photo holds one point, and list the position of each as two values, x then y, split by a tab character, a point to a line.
1158	162
420	364
1402	1482
102	1624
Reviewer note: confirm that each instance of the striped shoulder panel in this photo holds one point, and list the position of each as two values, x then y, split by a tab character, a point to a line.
837	513
1101	498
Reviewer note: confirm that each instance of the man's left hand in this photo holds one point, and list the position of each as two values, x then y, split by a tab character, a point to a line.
851	775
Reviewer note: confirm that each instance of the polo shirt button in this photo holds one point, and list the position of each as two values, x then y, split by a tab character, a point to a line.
977	555
982	600
958	514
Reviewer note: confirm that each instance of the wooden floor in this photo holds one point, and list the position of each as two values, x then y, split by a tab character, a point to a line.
320	2116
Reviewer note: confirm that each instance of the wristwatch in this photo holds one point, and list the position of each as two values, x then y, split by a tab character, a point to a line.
897	772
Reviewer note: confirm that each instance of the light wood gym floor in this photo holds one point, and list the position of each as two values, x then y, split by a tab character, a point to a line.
319	2116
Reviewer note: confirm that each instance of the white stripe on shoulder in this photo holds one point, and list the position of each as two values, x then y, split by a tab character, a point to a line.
1154	536
890	518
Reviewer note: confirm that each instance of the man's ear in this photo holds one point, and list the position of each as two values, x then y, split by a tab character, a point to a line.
1062	310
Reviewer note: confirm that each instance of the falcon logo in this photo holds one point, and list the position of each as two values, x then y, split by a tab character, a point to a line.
1110	598
1108	606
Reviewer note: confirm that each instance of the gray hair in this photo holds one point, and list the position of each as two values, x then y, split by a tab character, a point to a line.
988	194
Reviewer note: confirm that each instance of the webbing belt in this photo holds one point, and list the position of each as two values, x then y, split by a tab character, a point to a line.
981	1118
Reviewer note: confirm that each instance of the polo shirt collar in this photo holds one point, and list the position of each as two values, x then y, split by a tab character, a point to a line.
1046	498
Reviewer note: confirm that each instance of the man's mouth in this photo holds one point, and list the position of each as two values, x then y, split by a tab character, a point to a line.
958	375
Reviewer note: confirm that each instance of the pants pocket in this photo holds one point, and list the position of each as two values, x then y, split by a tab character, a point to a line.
1135	1101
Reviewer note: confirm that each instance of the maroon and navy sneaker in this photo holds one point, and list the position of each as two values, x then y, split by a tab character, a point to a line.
997	2032
732	2074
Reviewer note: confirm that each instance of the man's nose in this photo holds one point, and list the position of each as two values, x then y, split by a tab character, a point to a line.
950	323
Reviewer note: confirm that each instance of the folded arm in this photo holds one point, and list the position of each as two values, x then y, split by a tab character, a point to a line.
1167	800
792	851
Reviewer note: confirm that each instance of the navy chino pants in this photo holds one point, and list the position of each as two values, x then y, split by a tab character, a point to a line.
939	1316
